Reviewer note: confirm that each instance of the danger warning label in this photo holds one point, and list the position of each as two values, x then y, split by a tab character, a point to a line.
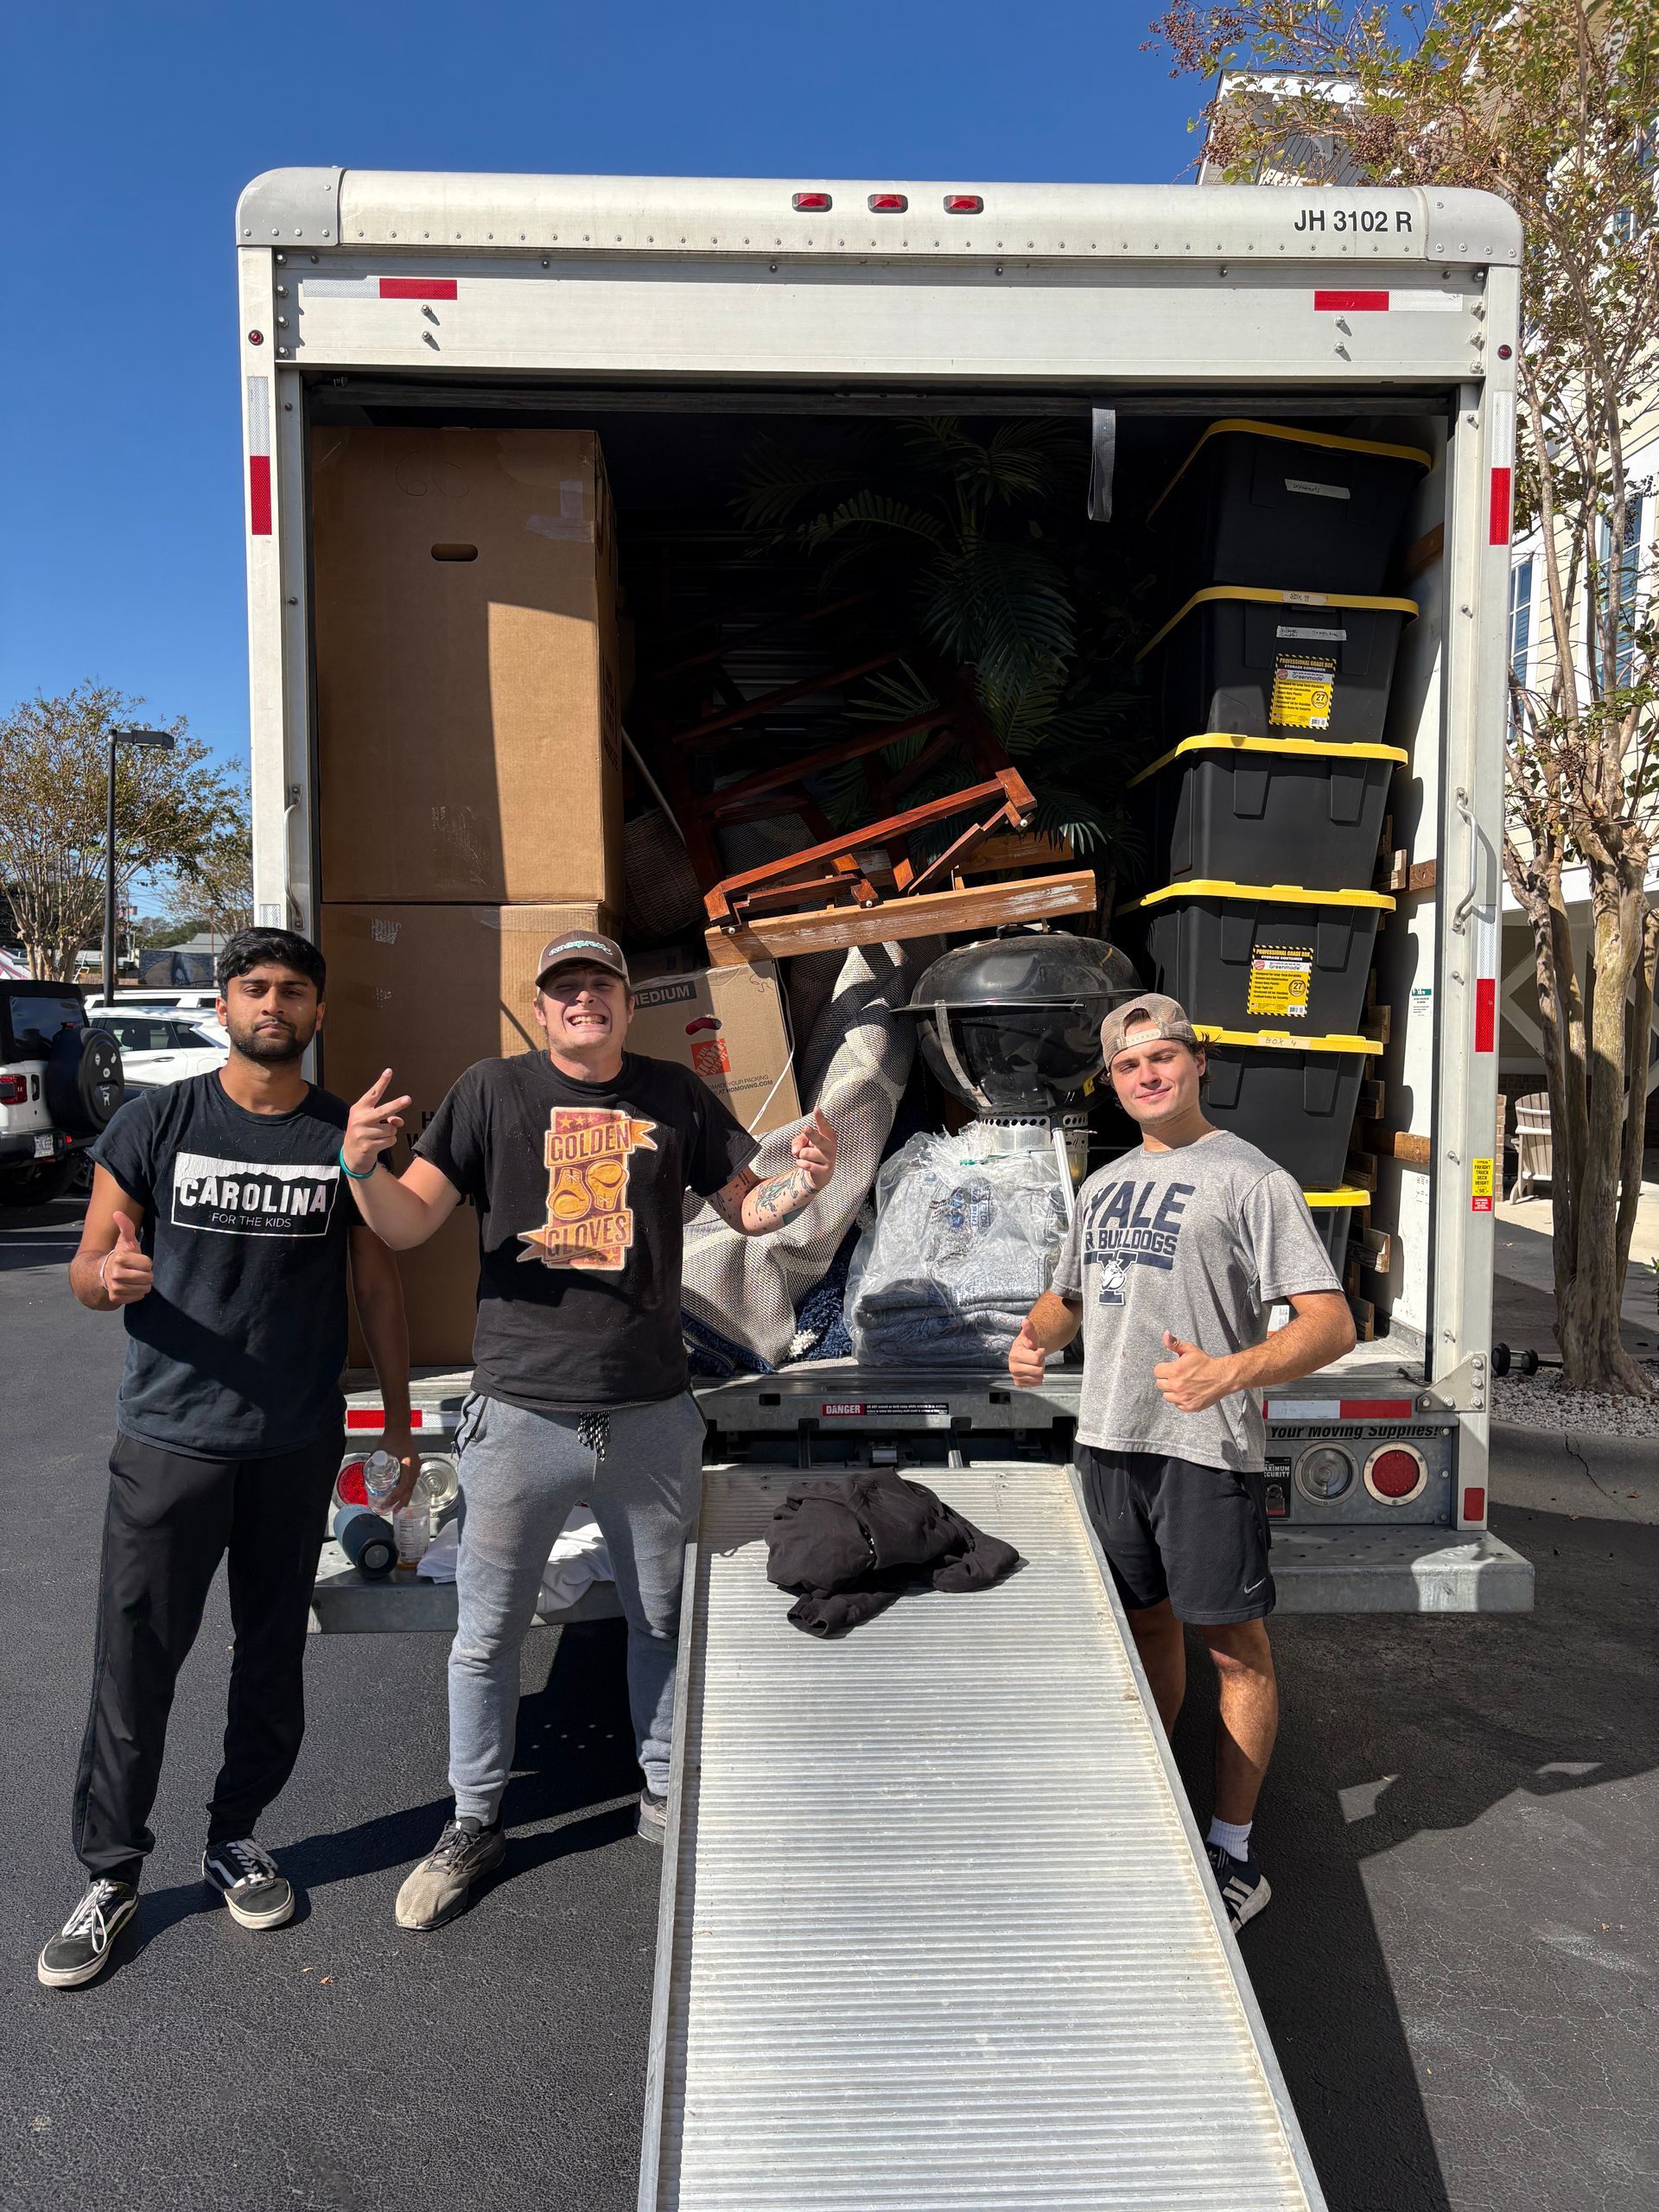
1303	684
1280	975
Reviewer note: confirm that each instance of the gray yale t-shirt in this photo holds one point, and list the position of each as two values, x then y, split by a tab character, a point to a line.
235	1353
1200	1241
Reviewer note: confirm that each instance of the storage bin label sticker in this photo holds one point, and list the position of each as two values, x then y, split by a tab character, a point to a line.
1279	980
1480	1187
1319	491
1302	688
1317	637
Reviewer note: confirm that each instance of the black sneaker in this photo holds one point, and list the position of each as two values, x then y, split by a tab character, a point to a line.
1243	1884
245	1876
437	1889
653	1822
80	1949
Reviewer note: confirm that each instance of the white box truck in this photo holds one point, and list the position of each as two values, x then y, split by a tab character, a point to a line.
623	302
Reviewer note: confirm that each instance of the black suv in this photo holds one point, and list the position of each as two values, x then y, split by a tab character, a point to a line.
61	1083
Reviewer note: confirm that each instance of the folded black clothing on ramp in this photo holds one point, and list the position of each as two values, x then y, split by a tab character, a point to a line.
852	1546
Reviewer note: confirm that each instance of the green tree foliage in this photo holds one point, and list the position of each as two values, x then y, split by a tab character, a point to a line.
979	542
1551	104
54	766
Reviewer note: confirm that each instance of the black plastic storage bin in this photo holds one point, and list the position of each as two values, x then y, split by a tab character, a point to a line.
1252	663
1333	1212
1250	955
1251	808
1294	1099
1256	501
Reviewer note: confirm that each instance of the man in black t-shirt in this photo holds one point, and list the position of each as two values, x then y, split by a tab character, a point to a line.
577	1160
220	1226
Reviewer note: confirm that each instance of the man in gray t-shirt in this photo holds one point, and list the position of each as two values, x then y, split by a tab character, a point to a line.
1174	1255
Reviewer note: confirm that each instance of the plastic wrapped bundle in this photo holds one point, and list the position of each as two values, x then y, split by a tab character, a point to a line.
963	1244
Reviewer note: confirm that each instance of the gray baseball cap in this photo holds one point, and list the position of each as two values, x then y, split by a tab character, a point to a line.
1152	1018
586	947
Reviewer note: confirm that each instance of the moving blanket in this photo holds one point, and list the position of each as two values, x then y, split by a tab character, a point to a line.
739	1294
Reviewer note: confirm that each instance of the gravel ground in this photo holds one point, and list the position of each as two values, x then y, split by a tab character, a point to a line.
1533	1402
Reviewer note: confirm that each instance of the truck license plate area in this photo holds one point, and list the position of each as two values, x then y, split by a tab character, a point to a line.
44	1145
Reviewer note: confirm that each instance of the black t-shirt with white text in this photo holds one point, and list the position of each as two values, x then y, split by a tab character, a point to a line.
579	1188
237	1352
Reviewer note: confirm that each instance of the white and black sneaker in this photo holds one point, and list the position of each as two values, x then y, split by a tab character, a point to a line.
245	1876
653	1822
1243	1884
80	1949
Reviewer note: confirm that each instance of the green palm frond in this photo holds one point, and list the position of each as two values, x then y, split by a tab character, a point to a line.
1004	607
873	511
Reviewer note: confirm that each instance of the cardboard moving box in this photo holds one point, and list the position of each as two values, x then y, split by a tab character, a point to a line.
468	696
426	991
726	1025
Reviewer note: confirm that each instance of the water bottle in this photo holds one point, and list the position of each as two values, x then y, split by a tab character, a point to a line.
381	1475
411	1526
366	1540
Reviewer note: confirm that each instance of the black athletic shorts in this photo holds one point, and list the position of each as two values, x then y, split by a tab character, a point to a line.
1172	1528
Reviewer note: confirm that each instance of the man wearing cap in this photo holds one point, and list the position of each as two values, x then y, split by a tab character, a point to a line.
577	1158
1175	1254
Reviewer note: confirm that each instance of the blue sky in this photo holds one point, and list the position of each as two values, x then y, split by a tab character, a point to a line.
130	129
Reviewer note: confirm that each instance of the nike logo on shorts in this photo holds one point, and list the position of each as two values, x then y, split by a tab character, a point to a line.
1250	1587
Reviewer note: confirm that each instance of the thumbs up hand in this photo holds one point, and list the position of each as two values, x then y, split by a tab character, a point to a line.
125	1273
1190	1379
1026	1358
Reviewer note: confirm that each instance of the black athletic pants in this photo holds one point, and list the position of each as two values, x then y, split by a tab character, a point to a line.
170	1521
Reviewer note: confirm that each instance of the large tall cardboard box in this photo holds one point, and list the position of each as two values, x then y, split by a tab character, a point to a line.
468	702
425	991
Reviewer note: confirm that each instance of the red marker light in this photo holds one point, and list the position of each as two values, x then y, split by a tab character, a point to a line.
811	203
963	203
886	203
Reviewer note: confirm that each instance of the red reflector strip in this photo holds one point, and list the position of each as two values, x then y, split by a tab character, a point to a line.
259	494
1374	1408
1350	302
1485	1012
419	288
375	1417
1498	526
1474	1502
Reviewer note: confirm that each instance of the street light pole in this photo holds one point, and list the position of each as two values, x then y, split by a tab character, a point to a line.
163	741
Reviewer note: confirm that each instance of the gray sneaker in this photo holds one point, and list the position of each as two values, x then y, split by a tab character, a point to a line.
436	1891
80	1950
652	1823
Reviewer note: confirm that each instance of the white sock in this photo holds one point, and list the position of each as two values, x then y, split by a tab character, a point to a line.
1233	1836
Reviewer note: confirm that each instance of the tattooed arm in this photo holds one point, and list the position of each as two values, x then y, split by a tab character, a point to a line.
755	1209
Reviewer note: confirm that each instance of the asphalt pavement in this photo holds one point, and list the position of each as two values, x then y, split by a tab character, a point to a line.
1457	1970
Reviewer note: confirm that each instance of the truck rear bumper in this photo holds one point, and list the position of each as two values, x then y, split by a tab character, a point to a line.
1364	1570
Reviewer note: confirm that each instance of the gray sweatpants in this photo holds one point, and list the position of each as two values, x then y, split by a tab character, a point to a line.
520	1475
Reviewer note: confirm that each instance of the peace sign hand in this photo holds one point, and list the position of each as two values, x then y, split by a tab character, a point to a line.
372	1125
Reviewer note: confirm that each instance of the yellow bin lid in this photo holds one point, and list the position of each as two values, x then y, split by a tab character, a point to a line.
1307	748
1280	1041
1334	1199
1262	894
1330	440
1260	593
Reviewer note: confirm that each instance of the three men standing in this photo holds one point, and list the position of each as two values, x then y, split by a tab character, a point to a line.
577	1158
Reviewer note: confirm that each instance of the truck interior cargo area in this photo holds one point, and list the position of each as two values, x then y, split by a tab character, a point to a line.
785	684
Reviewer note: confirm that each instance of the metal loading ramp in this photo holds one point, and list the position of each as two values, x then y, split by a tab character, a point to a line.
934	1932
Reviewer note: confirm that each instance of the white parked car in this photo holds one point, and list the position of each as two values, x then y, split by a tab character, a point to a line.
158	1046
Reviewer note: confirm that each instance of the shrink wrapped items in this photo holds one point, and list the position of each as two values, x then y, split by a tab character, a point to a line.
963	1244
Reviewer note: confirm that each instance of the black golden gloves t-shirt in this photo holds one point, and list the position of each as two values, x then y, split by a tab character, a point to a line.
579	1188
